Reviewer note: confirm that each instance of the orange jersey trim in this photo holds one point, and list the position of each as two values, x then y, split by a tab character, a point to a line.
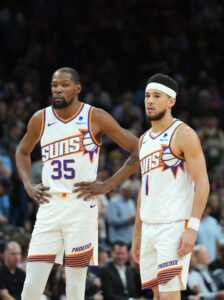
150	284
49	258
163	130
90	127
43	123
171	141
72	117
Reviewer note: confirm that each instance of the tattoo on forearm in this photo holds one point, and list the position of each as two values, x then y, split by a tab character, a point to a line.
132	160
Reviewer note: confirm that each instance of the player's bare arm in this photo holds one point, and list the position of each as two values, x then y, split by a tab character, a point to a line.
103	123
136	242
23	161
188	144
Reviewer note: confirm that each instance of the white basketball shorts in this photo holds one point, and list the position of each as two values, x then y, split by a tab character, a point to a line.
159	264
66	224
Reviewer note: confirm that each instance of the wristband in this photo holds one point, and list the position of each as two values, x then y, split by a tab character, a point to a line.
193	223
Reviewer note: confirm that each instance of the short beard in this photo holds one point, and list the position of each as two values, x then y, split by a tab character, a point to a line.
63	104
157	117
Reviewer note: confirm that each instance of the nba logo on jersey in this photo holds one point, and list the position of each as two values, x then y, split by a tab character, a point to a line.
164	138
81	121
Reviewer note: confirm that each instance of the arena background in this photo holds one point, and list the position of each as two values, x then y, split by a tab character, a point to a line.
115	46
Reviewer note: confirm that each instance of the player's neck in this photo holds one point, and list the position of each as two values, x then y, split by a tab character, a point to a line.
69	111
162	124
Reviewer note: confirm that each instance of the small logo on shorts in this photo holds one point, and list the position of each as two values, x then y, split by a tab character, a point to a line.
81	248
91	206
168	264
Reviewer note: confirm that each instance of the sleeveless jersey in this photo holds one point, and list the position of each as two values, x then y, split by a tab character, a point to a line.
70	152
167	188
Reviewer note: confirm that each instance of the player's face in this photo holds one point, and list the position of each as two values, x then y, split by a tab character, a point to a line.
156	104
64	90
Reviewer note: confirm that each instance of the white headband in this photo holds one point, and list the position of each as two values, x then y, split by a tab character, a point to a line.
162	88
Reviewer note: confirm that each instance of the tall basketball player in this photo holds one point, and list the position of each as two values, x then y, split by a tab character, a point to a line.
173	194
70	135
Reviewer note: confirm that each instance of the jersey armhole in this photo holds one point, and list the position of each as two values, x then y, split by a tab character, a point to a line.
90	127
43	118
172	141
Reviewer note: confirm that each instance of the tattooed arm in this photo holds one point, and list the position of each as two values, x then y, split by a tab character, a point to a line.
103	123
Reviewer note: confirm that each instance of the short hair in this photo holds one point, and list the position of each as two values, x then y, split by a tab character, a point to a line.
74	74
165	80
118	243
11	244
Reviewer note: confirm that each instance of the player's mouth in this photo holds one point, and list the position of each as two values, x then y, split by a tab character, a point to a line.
58	98
149	109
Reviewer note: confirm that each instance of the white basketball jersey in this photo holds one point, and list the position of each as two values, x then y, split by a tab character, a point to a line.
167	188
70	152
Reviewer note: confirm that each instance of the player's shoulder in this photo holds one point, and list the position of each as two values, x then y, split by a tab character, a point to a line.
185	130
36	119
98	112
37	116
186	135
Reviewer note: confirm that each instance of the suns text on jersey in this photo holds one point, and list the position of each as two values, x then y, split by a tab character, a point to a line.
151	161
62	147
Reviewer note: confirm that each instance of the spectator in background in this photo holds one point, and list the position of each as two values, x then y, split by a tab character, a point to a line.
5	174
212	138
11	277
103	204
209	232
126	112
118	280
18	196
2	248
191	293
98	97
217	266
201	276
215	206
4	200
121	215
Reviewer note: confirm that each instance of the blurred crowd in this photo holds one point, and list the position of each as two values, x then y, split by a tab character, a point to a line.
116	46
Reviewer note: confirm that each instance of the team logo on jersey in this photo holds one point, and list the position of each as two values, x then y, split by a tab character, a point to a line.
82	142
163	158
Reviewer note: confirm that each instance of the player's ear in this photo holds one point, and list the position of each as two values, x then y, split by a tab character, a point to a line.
172	102
78	88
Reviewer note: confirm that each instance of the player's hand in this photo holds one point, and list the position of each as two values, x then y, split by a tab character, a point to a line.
38	192
135	248
87	190
186	242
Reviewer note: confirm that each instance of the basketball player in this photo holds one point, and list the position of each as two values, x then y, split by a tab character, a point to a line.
173	194
70	135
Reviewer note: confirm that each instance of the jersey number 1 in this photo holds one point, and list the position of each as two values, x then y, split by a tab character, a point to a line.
69	172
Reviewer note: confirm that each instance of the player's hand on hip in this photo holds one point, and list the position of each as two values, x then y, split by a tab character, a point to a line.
87	190
135	248
38	192
186	242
